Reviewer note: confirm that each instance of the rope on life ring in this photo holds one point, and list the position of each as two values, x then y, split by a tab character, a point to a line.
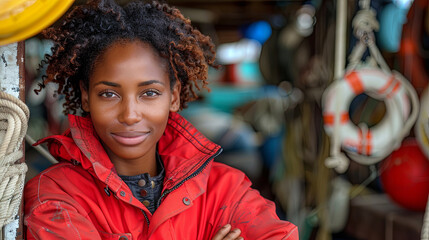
362	144
372	143
14	116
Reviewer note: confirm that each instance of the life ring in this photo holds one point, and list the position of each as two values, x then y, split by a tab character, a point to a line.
421	129
22	19
375	141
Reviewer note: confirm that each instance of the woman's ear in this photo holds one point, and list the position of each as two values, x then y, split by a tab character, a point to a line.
175	97
84	97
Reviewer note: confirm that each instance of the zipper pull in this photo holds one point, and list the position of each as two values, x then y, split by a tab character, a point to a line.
107	191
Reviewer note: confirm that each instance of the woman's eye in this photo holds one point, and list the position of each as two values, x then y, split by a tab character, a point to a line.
150	93
107	94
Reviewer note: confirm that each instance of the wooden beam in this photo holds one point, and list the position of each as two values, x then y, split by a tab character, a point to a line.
12	81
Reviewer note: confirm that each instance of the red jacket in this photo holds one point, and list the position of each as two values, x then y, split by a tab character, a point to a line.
83	198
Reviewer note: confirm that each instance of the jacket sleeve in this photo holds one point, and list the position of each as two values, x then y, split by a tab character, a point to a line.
244	208
50	212
58	220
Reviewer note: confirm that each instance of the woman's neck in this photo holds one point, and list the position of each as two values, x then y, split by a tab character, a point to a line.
132	167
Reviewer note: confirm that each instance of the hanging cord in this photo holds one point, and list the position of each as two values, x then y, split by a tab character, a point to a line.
14	116
337	159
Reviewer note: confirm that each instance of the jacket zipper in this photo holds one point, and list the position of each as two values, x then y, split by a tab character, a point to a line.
147	219
198	171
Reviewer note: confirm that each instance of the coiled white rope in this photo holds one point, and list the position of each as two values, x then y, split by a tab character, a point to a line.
14	116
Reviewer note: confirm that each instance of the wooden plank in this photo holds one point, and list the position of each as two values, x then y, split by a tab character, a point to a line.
375	217
20	58
12	81
9	69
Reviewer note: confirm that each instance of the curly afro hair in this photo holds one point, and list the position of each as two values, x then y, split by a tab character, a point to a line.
88	30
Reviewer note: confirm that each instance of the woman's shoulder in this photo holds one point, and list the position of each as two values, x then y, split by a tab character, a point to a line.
223	168
58	172
59	179
223	173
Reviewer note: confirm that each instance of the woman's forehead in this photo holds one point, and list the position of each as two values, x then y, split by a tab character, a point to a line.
129	60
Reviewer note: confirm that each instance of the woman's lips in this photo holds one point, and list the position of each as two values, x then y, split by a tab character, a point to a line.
130	138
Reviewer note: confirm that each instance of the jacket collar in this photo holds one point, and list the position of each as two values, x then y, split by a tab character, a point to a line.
183	149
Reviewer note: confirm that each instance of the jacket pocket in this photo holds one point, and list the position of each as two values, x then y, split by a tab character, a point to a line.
115	236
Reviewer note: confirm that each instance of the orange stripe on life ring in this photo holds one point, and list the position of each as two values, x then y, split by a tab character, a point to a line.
355	82
329	119
365	145
368	143
387	85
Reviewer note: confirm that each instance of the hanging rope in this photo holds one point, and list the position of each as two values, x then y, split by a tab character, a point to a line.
364	25
14	116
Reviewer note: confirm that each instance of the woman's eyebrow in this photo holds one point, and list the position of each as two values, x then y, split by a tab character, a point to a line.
145	83
112	84
149	82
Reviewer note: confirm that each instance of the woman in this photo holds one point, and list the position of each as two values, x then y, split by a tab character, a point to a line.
131	167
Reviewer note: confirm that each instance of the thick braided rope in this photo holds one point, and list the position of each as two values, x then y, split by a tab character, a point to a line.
14	116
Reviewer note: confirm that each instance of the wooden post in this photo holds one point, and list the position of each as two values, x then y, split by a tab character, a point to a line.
12	81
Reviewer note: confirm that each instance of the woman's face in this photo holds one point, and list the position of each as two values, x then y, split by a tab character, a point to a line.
129	99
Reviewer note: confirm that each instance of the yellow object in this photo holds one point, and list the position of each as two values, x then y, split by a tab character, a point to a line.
22	19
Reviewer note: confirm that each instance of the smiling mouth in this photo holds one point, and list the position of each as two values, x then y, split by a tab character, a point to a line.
130	138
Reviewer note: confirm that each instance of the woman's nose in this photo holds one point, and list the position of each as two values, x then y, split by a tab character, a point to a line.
129	112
